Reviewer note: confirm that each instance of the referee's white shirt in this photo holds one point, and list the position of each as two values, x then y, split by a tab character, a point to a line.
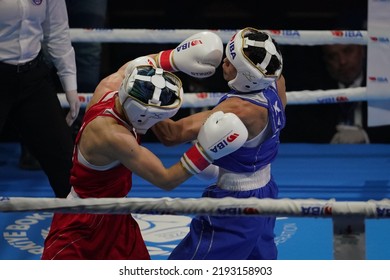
26	24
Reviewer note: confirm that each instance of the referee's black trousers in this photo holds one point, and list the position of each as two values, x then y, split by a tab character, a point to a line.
29	101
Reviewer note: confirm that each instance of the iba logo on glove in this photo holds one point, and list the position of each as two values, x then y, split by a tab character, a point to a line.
225	142
189	44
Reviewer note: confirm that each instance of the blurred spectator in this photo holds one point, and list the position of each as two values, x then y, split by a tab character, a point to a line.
338	66
346	67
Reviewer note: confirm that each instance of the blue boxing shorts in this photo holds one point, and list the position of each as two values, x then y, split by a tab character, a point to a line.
230	237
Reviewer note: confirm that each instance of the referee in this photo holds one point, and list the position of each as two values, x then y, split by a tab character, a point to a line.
28	95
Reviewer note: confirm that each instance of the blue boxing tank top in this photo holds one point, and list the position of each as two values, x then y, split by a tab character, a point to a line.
248	158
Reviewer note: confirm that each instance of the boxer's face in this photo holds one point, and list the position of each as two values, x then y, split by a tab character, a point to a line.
229	71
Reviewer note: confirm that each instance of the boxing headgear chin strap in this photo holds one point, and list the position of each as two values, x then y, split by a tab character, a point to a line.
144	115
251	77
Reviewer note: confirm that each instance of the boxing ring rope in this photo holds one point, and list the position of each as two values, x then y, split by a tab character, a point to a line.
213	206
205	99
348	217
160	36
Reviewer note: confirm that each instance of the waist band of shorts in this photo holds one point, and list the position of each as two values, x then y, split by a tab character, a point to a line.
233	181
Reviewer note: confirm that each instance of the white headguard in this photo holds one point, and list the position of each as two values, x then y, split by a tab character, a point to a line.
149	95
251	76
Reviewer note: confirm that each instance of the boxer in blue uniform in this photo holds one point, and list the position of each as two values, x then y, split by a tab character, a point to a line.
252	67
